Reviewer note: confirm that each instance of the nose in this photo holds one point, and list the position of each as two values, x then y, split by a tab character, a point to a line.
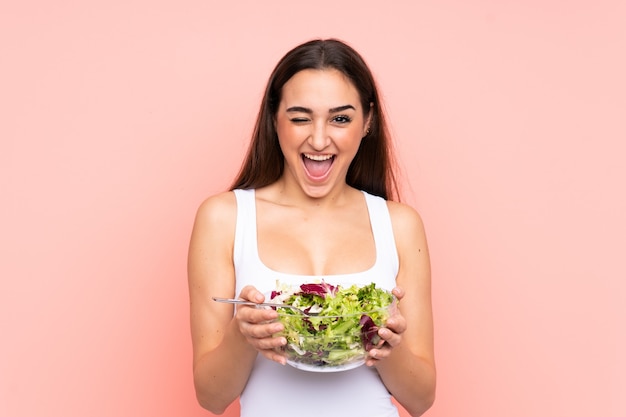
319	138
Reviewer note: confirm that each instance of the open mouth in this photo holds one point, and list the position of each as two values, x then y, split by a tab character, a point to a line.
317	166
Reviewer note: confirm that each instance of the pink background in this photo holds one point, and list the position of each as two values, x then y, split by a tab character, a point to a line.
118	117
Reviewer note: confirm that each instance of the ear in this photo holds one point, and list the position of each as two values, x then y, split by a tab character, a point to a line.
368	120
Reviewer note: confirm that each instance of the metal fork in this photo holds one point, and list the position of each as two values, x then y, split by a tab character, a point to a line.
252	303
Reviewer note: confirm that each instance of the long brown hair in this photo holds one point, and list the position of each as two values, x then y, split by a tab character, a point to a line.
371	170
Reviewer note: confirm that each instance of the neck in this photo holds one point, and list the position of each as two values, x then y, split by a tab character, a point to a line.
285	192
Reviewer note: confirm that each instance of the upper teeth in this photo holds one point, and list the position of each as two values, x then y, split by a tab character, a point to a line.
317	157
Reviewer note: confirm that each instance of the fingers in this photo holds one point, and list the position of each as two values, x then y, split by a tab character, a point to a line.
388	341
264	338
275	356
396	324
255	315
390	335
259	326
398	292
261	329
250	293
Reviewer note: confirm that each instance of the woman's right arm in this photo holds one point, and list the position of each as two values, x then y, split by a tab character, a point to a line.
224	346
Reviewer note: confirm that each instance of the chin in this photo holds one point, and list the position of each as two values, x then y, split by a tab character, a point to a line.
317	191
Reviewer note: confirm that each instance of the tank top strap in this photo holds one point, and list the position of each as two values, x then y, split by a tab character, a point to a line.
244	249
380	221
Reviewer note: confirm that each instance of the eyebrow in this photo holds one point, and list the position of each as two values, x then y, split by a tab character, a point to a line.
300	109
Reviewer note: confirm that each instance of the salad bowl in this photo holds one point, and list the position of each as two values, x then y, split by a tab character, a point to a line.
337	327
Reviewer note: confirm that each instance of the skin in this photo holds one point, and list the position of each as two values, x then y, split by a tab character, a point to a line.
310	226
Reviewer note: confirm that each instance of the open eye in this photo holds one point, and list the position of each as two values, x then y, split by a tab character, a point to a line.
342	119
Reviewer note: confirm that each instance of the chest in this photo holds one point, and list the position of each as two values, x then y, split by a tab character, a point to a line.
310	242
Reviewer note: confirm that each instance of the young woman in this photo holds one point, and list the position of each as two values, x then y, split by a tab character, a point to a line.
314	200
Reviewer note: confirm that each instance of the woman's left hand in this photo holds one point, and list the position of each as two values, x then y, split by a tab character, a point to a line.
390	335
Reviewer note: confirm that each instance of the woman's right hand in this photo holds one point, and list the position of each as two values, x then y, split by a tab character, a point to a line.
259	325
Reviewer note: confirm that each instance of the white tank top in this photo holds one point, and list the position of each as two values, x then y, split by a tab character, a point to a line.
273	389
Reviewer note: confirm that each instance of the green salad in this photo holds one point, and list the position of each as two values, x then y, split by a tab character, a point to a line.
343	327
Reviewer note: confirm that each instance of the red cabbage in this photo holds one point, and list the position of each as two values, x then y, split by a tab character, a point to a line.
369	332
318	289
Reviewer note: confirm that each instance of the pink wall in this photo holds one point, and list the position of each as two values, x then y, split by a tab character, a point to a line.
118	117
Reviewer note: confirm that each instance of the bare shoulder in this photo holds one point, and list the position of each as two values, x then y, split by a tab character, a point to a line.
406	220
211	245
414	256
215	222
218	208
218	211
410	237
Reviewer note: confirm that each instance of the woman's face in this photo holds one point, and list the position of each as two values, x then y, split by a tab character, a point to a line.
320	124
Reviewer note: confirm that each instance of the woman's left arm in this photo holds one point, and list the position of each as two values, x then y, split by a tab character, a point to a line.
406	361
